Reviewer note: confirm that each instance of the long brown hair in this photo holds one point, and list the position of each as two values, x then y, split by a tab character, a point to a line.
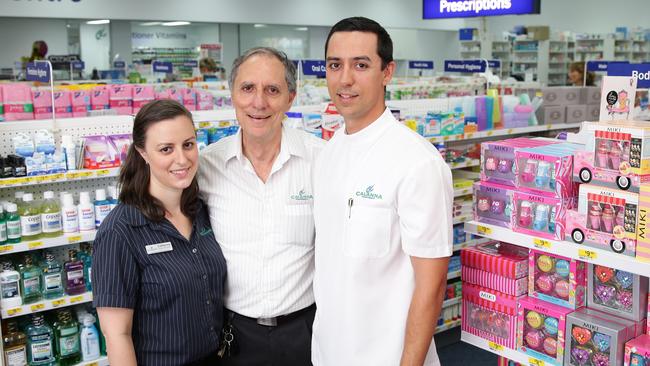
134	173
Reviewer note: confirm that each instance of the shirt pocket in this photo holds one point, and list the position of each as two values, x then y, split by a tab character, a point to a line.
367	230
299	223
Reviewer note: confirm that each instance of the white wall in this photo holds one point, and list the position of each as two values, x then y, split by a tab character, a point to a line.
95	46
187	36
390	13
413	44
295	43
588	16
17	36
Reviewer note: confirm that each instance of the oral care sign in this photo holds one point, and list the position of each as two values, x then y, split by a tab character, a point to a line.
165	67
424	65
641	72
313	67
436	9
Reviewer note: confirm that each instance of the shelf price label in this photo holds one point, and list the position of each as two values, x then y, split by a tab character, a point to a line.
469	135
57	303
85	174
72	175
6	248
495	347
35	244
587	255
74	239
483	230
102	172
14	311
541	243
76	299
535	362
37	307
92	364
55	177
205	124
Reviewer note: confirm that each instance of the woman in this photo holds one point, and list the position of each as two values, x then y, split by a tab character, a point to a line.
158	273
577	74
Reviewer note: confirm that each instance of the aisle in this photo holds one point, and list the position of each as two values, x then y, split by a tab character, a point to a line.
453	352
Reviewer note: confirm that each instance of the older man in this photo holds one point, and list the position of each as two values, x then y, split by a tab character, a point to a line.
257	185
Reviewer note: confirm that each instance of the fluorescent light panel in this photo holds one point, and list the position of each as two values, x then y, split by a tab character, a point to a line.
148	24
174	24
100	21
259	25
302	29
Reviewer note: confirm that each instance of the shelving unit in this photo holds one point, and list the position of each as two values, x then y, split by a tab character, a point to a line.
179	57
558	60
470	49
502	51
452	275
470	243
622	50
45	305
640	51
594	47
504	132
46	243
450	325
531	56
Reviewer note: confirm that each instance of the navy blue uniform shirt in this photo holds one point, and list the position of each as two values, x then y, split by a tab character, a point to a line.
176	295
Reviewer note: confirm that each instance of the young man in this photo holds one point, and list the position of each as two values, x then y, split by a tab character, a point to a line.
382	207
257	185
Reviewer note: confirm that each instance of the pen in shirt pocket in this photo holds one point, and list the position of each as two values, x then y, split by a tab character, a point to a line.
350	203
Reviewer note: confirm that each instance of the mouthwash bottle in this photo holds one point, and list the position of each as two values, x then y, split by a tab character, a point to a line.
13	224
75	283
89	339
102	207
51	216
66	336
40	342
14	345
52	277
3	227
10	287
86	256
30	281
113	196
30	218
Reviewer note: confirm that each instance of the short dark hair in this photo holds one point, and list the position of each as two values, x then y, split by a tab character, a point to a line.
135	175
361	24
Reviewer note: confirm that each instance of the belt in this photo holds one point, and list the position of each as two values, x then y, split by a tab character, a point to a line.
276	320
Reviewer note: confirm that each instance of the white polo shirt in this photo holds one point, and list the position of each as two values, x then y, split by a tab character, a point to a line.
266	230
382	195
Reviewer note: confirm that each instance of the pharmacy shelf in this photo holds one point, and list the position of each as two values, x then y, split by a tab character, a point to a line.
504	132
45	243
467	163
463	191
70	176
453	275
102	361
462	218
450	302
562	248
470	243
498	349
450	325
45	305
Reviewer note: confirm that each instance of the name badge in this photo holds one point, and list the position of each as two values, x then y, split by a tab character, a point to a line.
159	248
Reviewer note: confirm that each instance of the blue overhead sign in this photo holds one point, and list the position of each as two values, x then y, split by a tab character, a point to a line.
78	65
119	64
38	71
468	66
313	67
599	65
641	72
424	65
441	9
191	63
159	66
494	64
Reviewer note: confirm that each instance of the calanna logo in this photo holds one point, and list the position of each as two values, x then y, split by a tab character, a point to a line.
301	196
369	194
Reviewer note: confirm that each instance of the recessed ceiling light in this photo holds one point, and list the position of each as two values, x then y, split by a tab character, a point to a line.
100	21
301	29
259	25
174	24
147	24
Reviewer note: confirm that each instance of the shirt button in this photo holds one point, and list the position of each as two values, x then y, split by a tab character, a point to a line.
194	250
208	302
205	276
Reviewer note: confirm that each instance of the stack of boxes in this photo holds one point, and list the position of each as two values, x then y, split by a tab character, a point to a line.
569	104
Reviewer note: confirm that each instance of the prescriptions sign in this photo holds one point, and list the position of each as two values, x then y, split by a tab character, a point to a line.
437	9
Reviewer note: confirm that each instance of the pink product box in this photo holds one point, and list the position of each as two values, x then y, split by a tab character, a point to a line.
498	158
596	338
503	259
62	104
189	98
617	292
548	171
99	99
540	331
80	102
204	100
121	98
42	104
493	204
142	94
508	286
175	94
558	280
17	100
490	314
637	351
539	216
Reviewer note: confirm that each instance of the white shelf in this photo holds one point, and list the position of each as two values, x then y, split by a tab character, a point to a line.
450	302
563	248
462	218
102	361
452	275
497	349
450	325
44	243
465	164
45	305
463	191
504	132
69	176
470	243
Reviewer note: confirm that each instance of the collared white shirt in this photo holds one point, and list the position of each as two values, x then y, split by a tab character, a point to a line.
266	230
381	195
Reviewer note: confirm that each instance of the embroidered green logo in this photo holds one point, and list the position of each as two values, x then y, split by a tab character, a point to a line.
301	196
369	194
205	231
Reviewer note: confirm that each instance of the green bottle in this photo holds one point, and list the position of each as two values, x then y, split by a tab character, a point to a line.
30	281
3	227
13	224
40	342
52	277
51	216
30	218
66	335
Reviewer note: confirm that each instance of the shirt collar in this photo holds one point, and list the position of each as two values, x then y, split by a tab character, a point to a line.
290	144
372	130
135	217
